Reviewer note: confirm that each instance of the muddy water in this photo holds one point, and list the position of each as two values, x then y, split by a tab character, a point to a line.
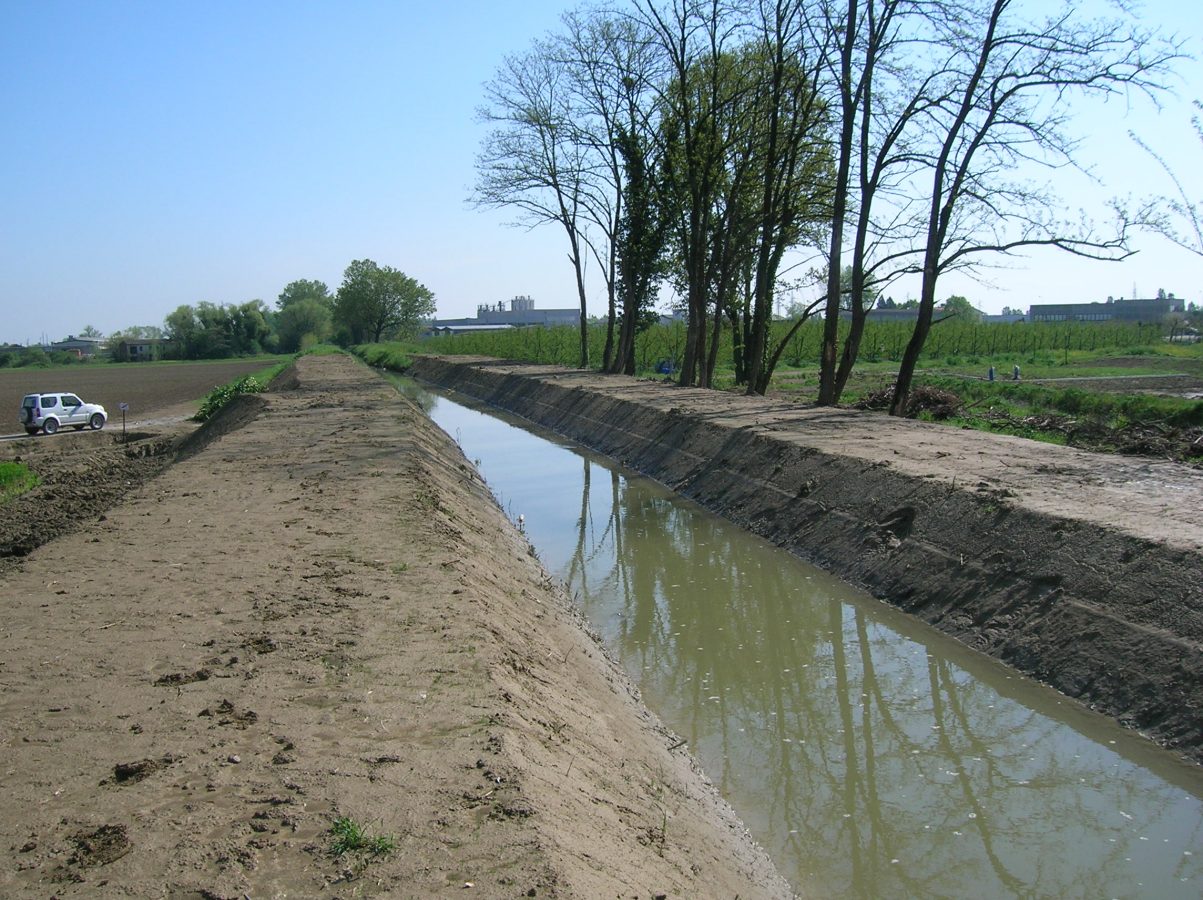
872	756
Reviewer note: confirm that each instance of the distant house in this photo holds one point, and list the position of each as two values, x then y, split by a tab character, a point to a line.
1144	311
139	349
84	348
494	317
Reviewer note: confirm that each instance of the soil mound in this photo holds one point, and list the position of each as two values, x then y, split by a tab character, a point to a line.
238	413
313	658
82	476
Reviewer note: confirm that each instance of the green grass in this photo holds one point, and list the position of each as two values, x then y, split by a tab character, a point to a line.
1019	398
393	355
267	373
348	836
15	480
322	350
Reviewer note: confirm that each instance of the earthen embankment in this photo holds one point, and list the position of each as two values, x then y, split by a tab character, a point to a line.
319	615
1082	570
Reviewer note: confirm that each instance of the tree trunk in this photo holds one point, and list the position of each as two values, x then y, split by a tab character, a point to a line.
608	353
831	320
578	268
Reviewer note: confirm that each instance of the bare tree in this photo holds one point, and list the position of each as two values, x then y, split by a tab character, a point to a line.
878	82
1178	218
533	159
1003	105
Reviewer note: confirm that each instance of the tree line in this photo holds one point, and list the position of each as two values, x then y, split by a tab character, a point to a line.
740	153
373	303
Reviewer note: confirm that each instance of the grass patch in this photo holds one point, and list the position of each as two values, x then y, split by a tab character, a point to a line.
323	350
15	479
1034	399
393	355
265	375
348	836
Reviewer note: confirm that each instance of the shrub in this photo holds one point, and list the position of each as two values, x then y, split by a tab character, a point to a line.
219	397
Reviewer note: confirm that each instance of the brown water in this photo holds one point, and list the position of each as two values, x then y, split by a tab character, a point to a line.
871	755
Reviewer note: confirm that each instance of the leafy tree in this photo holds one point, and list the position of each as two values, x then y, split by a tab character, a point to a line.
741	129
639	247
91	332
138	332
183	330
960	307
302	323
215	331
378	302
249	328
302	289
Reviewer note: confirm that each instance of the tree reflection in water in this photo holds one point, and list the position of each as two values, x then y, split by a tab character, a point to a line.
871	756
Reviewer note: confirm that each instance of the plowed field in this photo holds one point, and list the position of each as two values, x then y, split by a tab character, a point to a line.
146	387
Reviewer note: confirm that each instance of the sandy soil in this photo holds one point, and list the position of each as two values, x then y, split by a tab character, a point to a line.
1082	570
319	612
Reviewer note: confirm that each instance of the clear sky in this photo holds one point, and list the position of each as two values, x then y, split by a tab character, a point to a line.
156	154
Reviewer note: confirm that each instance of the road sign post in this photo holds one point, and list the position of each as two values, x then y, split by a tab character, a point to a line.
123	407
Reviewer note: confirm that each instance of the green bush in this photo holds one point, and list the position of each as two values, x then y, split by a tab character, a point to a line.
219	397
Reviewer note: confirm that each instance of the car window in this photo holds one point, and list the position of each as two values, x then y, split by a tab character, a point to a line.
49	401
71	400
30	402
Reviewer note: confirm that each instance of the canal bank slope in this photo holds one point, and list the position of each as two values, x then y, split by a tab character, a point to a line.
1082	570
317	614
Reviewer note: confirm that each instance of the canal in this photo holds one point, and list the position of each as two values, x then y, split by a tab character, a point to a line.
871	755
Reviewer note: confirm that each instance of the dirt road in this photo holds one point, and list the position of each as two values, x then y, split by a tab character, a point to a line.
322	615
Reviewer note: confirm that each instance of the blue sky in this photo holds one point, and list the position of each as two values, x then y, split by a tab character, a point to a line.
157	154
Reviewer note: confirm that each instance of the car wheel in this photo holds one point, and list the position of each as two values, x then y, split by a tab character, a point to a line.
50	426
97	421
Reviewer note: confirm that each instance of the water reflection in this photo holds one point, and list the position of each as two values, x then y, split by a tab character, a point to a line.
871	756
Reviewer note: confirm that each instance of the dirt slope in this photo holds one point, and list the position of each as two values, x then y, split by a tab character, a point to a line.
323	614
1082	570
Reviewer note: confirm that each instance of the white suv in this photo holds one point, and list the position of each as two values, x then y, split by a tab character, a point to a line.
49	411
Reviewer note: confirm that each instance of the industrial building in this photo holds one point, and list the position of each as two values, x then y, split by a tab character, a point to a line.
518	312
